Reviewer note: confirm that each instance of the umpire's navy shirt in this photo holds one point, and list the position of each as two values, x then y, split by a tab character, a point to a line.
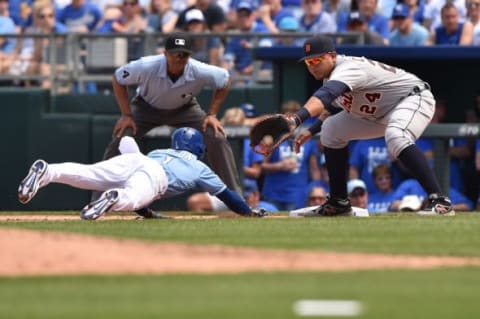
155	87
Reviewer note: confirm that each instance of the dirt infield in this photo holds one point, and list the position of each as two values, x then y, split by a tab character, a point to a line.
26	253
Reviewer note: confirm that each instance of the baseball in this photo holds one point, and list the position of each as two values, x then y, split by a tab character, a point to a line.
267	140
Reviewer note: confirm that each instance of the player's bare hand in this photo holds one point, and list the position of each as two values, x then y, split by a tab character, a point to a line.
122	124
212	121
300	139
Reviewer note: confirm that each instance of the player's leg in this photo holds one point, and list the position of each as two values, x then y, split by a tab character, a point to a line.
99	176
337	131
147	183
405	125
142	187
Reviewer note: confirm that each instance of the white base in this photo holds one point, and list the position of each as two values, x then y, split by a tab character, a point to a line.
357	211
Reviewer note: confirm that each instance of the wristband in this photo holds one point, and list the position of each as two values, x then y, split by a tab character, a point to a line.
316	127
301	116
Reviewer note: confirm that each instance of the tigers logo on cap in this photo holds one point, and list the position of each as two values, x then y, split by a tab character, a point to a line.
316	46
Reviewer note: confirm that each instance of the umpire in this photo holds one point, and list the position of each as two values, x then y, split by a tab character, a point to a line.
167	86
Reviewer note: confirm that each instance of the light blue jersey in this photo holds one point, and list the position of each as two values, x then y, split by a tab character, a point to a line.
185	172
155	87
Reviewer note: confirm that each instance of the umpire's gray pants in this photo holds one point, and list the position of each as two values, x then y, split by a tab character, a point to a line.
219	151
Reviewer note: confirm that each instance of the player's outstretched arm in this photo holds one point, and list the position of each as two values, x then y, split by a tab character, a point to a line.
237	204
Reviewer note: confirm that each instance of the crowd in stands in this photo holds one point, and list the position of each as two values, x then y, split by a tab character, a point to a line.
382	22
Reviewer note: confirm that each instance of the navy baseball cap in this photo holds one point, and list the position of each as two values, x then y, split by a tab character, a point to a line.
316	46
401	10
179	42
355	16
249	110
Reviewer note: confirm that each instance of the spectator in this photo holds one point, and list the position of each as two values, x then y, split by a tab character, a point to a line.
406	32
35	53
473	14
271	13
205	49
130	21
250	113
337	8
357	193
320	182
433	15
289	25
161	18
7	44
315	19
81	16
317	196
380	201
366	155
416	9
20	11
452	31
239	49
179	5
213	14
357	23
376	22
412	187
252	197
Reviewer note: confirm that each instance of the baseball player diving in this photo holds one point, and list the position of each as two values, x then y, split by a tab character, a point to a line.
362	99
132	180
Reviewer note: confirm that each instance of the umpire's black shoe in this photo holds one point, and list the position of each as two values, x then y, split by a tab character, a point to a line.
437	205
147	213
332	207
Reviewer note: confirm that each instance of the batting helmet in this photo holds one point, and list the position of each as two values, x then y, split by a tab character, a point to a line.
188	139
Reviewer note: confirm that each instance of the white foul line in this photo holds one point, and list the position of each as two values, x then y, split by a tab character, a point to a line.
317	308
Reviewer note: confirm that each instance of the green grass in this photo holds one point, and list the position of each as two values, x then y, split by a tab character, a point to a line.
447	293
397	234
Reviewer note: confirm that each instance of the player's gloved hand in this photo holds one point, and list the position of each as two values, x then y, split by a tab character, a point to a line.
259	212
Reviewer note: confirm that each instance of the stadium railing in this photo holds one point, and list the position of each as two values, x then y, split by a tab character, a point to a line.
93	57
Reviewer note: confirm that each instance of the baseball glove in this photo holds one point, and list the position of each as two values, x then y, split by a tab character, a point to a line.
269	133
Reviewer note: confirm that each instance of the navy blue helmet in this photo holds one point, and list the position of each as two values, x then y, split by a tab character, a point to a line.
188	139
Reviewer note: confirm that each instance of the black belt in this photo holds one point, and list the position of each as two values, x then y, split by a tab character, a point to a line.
182	108
419	88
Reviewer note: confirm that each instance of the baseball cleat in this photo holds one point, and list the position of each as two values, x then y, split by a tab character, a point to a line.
332	207
437	205
100	206
30	184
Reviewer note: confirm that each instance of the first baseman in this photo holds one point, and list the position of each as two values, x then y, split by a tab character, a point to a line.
375	100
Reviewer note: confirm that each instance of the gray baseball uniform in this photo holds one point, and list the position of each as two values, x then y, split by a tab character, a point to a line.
384	101
160	101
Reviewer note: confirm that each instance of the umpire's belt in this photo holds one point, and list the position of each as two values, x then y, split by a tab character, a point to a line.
139	100
417	89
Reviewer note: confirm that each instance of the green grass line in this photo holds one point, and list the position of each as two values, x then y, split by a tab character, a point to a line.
441	293
390	234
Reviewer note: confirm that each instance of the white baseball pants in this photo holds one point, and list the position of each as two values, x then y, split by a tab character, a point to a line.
138	179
